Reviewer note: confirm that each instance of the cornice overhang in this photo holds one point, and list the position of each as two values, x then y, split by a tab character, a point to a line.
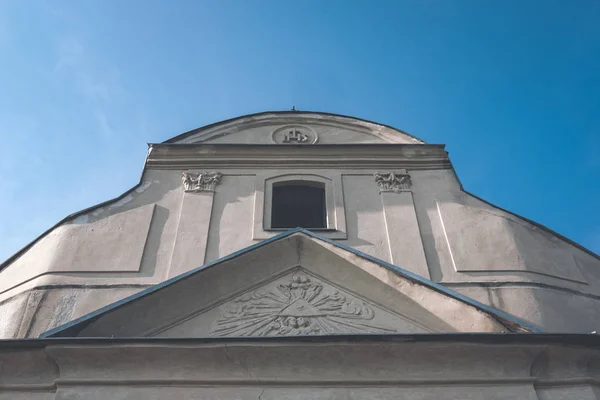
371	360
412	156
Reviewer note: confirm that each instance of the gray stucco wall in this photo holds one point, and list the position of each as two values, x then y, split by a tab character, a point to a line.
436	230
327	369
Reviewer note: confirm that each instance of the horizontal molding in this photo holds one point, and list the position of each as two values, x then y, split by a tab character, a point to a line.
178	156
226	382
78	286
287	163
519	284
538	383
28	387
356	361
450	284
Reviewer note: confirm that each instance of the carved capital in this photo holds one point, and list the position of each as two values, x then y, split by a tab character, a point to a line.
393	182
200	182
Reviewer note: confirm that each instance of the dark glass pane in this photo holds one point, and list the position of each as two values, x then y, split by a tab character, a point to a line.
297	205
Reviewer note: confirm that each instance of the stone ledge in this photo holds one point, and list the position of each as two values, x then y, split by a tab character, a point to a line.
330	361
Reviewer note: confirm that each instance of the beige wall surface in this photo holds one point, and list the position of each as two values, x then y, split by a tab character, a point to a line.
433	229
328	369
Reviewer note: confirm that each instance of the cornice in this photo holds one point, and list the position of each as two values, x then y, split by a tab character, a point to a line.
409	156
371	360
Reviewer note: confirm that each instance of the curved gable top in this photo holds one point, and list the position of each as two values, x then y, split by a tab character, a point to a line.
264	128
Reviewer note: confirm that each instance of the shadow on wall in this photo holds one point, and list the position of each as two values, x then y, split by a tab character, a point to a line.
72	250
153	242
231	218
359	212
151	192
508	263
426	225
365	223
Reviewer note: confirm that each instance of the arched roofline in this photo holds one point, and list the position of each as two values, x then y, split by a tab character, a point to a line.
278	114
5	263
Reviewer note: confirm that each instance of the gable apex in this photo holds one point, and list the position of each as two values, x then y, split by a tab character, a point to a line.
267	127
296	304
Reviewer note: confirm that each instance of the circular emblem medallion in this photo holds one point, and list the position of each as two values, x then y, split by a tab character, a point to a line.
294	134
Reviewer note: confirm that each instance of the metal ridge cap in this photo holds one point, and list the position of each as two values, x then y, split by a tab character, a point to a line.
570	339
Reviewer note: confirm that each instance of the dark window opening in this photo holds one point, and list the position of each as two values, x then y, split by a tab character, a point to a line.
298	204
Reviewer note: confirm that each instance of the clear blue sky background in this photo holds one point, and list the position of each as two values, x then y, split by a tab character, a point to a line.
511	86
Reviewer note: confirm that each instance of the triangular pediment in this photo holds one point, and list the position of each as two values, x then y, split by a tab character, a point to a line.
295	128
295	284
296	304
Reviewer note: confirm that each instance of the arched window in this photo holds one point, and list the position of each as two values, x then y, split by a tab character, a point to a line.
312	201
298	204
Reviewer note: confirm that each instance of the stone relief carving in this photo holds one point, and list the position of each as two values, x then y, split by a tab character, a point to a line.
392	182
300	307
294	135
200	182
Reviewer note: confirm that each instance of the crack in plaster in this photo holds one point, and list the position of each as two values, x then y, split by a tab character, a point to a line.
244	366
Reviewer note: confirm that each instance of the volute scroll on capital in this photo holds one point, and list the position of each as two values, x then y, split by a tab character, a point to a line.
393	182
200	181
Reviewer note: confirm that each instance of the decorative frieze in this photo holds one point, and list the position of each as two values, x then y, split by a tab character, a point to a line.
201	181
393	182
300	307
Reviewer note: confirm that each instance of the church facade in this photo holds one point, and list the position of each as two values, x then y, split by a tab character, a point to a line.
299	255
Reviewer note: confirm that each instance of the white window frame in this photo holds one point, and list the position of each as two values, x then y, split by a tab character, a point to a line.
334	202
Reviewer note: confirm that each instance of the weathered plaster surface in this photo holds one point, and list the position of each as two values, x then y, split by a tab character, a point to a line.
33	312
443	233
260	129
339	293
115	243
396	368
298	303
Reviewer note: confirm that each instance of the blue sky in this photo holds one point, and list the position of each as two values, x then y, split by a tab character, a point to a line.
512	87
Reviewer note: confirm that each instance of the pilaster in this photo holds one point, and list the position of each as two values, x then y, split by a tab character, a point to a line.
402	228
189	250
